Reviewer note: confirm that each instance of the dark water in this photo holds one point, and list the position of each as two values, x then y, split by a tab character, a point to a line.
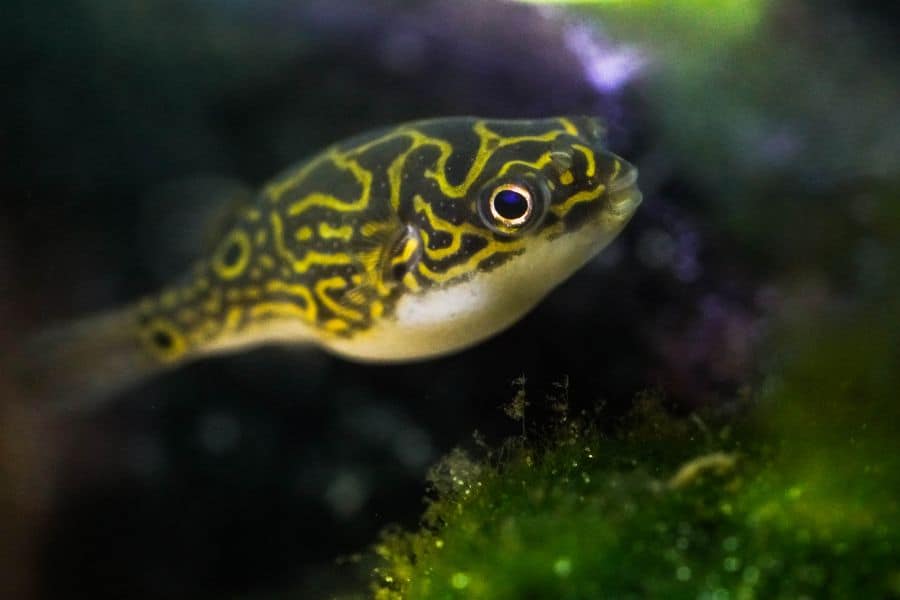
250	474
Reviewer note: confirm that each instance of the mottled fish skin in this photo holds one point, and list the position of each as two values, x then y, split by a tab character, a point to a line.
329	247
387	246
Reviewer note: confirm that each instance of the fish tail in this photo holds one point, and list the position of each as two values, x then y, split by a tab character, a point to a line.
82	364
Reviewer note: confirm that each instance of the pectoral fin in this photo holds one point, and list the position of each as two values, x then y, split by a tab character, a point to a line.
386	252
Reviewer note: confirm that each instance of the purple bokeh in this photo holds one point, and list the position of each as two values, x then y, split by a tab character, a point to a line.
607	66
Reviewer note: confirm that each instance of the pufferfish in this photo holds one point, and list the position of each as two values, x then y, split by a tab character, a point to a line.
396	245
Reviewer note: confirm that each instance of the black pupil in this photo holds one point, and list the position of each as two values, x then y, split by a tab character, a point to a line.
510	204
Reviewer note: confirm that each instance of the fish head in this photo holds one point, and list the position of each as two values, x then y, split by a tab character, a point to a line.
475	256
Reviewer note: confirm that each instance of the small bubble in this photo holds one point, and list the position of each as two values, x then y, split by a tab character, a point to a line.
683	573
562	567
721	594
682	543
460	581
585	477
438	543
730	544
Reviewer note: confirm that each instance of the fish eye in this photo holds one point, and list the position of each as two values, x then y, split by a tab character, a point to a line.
509	207
511	204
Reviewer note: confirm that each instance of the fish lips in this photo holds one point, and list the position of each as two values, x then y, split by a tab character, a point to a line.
623	195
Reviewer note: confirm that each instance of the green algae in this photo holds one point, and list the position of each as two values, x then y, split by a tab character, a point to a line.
797	497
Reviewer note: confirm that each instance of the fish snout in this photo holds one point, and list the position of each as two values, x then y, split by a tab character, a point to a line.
623	195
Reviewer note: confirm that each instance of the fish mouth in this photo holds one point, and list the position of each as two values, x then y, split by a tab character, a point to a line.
626	178
623	193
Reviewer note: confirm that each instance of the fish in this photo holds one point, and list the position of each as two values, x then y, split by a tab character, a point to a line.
400	244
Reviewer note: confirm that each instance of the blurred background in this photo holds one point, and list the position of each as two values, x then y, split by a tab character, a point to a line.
767	135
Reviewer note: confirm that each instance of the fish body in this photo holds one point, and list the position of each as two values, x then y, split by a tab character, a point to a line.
396	245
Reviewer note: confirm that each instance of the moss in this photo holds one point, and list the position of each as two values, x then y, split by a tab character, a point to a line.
795	498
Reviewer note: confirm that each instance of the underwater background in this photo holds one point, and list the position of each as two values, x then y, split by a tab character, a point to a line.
755	293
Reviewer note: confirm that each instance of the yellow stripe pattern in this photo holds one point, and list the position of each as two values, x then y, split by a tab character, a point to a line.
312	250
